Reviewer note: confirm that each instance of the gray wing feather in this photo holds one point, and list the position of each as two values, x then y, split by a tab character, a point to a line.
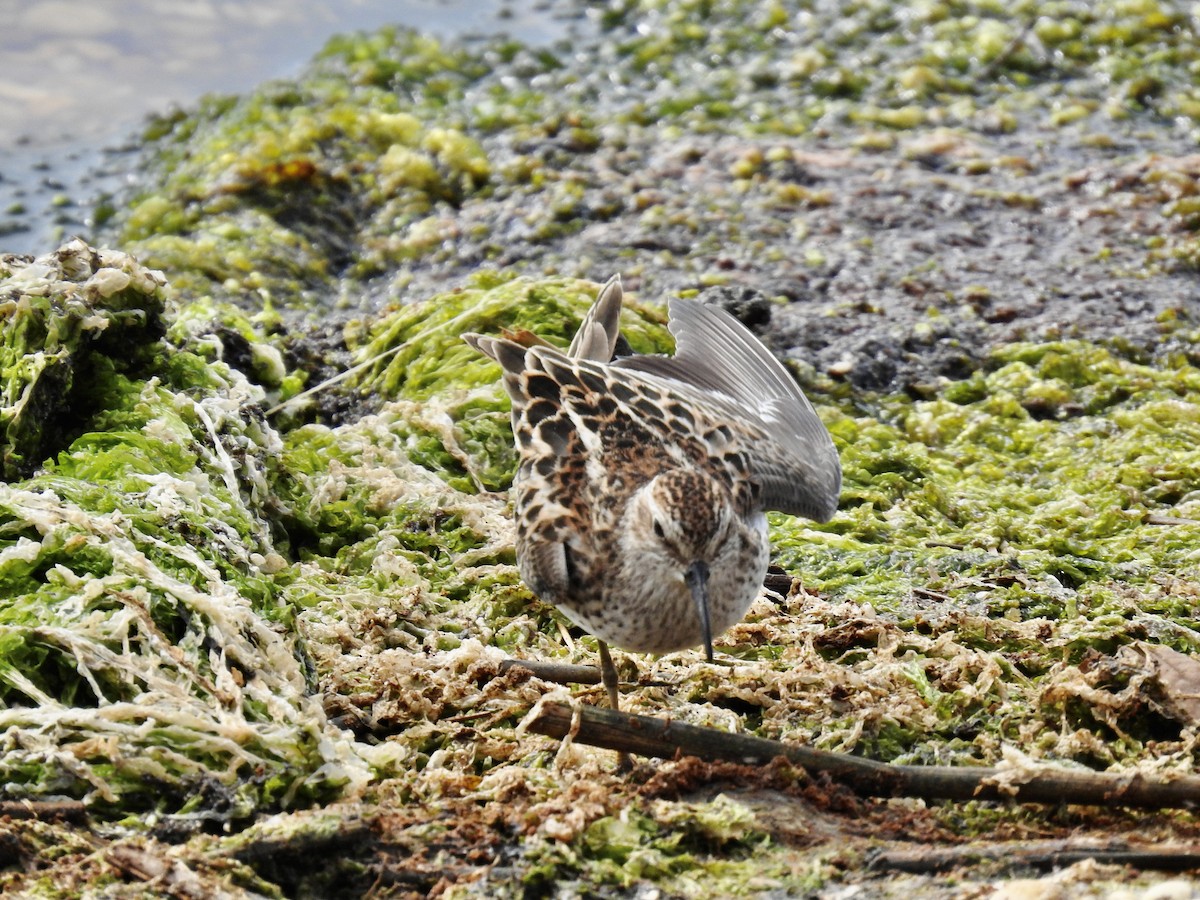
798	466
598	333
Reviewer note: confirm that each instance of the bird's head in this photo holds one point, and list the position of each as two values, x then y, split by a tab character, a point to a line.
682	517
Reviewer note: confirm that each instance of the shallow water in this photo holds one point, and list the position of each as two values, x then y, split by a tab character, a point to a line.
78	78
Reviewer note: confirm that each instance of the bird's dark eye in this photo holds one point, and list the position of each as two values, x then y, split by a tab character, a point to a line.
658	529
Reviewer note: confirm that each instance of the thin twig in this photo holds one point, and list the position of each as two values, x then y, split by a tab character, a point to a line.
1156	519
1037	855
334	379
926	594
169	876
43	810
662	738
1001	58
559	673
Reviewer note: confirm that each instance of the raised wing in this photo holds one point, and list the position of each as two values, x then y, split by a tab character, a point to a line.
797	465
601	327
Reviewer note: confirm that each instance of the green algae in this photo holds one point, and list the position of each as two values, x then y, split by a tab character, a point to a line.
257	194
222	332
141	666
66	318
691	850
1000	538
1053	466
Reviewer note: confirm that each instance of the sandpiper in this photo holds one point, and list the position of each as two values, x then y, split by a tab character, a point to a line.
643	480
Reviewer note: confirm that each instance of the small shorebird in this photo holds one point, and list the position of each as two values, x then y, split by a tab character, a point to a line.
643	480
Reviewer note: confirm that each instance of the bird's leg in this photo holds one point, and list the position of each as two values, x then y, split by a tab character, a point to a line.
608	677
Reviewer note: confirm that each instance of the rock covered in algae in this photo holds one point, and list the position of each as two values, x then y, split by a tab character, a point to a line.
396	158
264	197
63	317
186	580
144	655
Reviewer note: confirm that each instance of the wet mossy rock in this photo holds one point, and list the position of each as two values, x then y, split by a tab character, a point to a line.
71	321
184	581
397	156
276	195
146	661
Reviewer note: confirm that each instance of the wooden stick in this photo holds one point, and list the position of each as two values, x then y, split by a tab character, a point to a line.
69	810
662	738
559	673
1038	855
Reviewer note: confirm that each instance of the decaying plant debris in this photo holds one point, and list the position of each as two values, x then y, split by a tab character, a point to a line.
264	652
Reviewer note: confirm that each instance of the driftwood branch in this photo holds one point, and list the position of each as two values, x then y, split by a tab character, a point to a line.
67	810
559	673
662	738
1037	855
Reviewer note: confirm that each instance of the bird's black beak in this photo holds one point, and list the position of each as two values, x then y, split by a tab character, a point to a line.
697	581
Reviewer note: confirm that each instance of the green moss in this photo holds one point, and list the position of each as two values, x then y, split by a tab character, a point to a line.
222	332
140	547
257	194
421	351
70	320
144	651
678	845
1030	493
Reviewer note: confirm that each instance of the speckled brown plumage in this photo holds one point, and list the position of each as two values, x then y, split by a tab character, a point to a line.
643	481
